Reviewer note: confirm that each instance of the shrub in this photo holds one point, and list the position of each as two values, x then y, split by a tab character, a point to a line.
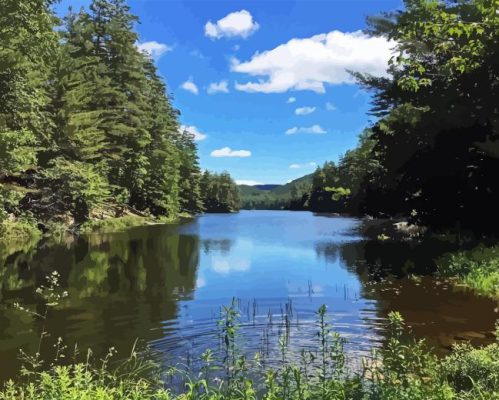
477	268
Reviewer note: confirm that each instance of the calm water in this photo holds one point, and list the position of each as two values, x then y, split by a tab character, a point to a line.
165	285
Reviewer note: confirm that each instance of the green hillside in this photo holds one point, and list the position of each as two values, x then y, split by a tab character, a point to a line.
300	184
278	197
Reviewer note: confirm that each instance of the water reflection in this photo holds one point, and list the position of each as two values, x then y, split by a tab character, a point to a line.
165	284
121	287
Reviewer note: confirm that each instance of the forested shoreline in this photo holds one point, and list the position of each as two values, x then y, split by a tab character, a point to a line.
89	138
87	129
432	155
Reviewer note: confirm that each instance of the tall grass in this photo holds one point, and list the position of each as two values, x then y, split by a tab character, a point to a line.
477	268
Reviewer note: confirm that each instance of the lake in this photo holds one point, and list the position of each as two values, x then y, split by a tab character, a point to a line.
165	284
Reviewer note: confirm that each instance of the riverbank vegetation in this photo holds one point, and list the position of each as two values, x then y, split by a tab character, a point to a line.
87	130
219	192
432	155
401	369
477	268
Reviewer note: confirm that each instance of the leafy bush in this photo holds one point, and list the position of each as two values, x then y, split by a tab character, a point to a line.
477	268
78	382
17	151
468	368
79	185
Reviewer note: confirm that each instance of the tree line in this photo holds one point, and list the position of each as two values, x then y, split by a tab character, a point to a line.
86	124
433	154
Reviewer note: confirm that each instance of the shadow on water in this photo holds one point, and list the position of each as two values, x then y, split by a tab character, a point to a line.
165	285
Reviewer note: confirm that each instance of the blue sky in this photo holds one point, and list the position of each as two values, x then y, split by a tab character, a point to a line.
268	97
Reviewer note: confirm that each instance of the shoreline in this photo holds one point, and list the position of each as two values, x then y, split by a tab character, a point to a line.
471	264
23	231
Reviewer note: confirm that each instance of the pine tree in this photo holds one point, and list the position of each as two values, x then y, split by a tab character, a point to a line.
161	190
27	40
190	175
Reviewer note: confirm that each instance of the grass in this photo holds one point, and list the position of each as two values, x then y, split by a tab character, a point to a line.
21	230
128	221
114	224
477	268
402	369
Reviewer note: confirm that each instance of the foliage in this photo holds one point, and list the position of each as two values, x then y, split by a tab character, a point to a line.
22	230
76	185
337	187
436	141
220	192
433	153
17	152
119	223
292	195
85	119
402	369
477	268
470	369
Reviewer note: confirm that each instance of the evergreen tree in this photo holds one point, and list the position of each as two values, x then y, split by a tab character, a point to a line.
436	142
190	175
27	40
161	189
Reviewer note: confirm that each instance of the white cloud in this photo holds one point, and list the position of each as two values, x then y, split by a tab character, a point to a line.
314	129
248	182
239	23
190	86
304	110
330	106
193	131
228	152
218	87
306	165
153	48
309	64
291	100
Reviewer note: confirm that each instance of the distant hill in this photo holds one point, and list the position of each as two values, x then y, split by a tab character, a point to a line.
247	190
266	187
285	190
273	196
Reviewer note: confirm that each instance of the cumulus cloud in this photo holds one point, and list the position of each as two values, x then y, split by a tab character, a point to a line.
218	87
330	106
198	136
304	110
306	165
153	48
314	129
291	100
248	182
228	152
311	63
236	24
190	86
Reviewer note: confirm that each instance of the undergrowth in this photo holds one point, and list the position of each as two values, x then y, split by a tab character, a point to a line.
477	268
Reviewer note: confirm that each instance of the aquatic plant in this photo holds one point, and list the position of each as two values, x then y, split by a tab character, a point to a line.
402	369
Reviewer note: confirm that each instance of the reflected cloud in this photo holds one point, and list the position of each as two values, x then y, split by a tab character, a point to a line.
225	266
200	282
